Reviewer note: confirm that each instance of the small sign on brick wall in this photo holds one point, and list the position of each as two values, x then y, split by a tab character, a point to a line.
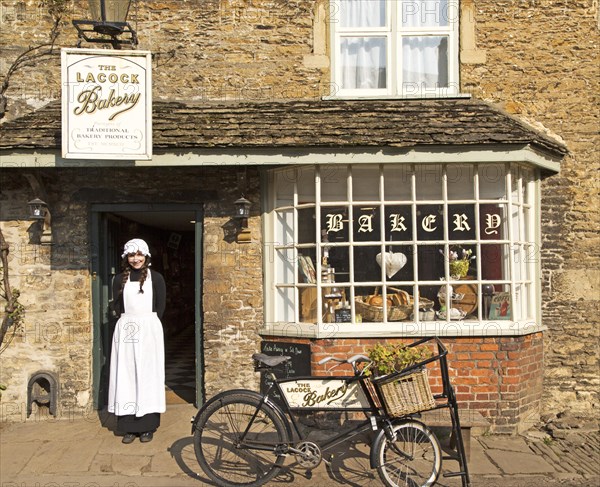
106	104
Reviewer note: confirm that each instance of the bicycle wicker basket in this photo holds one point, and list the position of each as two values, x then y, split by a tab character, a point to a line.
406	394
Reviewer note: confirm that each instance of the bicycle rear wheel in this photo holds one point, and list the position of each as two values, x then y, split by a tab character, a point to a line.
412	459
227	458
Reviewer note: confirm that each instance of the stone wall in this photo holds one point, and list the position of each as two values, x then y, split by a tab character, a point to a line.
55	281
239	49
542	65
538	59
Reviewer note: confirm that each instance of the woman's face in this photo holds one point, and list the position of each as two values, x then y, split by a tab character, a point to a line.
137	260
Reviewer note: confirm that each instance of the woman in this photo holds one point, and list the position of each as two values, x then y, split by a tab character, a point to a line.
136	391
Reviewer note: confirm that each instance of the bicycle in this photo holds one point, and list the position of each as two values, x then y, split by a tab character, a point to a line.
242	437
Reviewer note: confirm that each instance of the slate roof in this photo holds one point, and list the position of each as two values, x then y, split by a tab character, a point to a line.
307	123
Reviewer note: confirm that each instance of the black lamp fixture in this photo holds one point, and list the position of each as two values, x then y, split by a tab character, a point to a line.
109	21
40	213
37	209
242	212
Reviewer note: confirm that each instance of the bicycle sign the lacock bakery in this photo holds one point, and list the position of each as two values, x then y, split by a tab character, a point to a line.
324	394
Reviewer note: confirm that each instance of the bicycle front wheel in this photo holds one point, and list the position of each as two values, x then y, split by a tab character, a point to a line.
236	441
413	458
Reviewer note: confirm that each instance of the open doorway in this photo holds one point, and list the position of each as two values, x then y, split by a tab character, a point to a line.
173	233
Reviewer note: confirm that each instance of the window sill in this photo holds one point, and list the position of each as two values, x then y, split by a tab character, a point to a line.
426	96
402	329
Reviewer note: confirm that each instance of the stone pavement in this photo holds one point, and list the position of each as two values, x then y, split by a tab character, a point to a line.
84	452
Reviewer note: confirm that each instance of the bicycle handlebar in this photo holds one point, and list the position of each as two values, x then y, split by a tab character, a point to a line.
352	360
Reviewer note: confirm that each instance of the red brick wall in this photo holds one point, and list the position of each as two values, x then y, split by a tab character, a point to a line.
499	377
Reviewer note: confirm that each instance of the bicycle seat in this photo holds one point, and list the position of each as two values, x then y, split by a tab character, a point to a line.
271	360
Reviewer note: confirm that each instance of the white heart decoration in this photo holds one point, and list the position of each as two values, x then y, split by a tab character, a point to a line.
393	262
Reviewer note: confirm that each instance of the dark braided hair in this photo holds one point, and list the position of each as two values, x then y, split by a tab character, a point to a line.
127	271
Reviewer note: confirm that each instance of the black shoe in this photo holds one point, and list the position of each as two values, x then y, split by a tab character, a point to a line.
128	438
146	437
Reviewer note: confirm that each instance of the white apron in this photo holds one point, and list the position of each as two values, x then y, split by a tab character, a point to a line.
137	363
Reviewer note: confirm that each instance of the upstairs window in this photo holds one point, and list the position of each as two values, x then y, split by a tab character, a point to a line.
395	48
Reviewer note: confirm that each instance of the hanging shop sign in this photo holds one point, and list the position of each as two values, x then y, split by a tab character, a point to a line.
106	104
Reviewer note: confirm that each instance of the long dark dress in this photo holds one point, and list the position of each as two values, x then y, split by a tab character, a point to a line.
132	423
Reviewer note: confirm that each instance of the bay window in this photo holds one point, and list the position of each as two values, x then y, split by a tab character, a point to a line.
398	248
394	47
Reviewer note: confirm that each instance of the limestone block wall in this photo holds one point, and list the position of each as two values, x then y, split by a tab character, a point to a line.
55	281
202	50
539	60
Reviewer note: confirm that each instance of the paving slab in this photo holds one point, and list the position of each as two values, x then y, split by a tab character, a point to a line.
132	465
521	463
479	463
507	443
15	456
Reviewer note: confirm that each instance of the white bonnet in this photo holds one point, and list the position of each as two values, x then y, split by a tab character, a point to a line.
134	246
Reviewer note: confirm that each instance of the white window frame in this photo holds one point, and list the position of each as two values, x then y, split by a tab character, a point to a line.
527	222
394	33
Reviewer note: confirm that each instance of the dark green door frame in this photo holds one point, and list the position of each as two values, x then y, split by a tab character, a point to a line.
99	263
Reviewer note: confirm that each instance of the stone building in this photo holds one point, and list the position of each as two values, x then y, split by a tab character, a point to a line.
358	133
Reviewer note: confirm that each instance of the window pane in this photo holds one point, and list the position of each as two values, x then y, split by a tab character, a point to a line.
429	182
306	226
430	222
398	223
494	260
284	184
366	226
430	262
492	181
306	185
398	263
334	185
493	222
460	182
363	62
397	183
496	302
365	184
362	13
285	266
365	264
461	224
284	227
424	63
285	302
425	13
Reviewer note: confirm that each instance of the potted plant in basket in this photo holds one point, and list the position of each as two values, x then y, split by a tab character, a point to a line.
388	358
405	393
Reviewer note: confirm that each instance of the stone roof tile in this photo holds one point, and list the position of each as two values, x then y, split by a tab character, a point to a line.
306	123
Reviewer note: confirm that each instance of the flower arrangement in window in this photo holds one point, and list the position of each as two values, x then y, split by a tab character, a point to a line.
460	260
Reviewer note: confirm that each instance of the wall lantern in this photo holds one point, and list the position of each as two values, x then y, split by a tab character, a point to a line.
109	21
242	212
37	209
40	214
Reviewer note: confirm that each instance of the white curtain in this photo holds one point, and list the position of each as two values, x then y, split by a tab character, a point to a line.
362	13
425	13
424	62
363	62
363	59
